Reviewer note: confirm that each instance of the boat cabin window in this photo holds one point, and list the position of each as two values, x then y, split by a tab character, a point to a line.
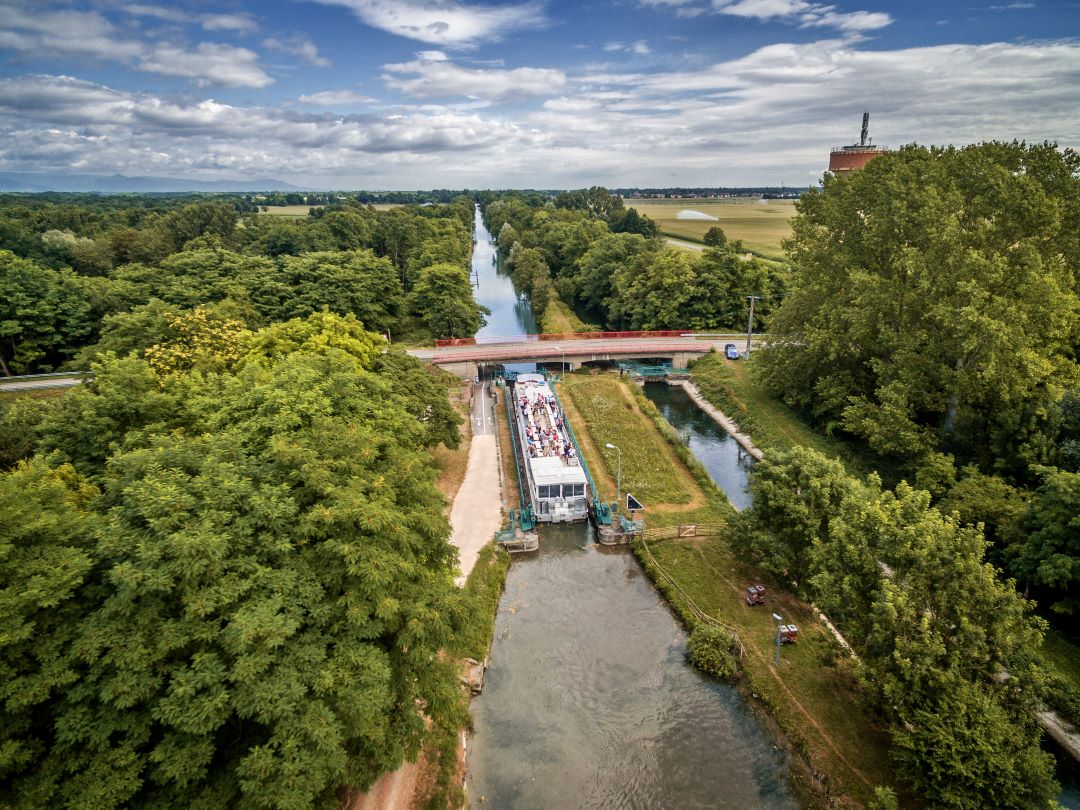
574	489
544	491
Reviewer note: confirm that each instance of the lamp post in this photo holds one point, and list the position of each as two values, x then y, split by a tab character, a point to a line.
779	624
618	473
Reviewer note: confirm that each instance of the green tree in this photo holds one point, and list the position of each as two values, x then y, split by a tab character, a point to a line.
356	282
275	587
443	299
531	274
654	290
715	237
796	493
200	339
934	306
1049	554
591	282
321	333
46	557
423	392
43	315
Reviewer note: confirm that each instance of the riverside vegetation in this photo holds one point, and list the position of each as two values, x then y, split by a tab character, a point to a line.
225	575
909	334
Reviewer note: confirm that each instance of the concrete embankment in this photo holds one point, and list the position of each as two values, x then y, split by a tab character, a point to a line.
719	417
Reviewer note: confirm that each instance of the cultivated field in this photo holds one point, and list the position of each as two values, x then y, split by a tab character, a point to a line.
760	224
303	210
288	210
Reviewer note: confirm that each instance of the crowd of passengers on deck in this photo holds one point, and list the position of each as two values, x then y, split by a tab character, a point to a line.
548	441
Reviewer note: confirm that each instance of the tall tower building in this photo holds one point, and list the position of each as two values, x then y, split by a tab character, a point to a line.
848	158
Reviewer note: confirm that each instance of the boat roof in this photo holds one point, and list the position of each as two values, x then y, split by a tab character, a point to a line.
553	470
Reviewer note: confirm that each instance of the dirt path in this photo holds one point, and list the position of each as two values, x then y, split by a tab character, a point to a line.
477	511
393	791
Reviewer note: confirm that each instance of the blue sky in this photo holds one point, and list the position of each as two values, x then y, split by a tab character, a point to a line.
439	93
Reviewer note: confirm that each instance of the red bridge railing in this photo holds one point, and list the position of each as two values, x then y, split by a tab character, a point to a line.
490	340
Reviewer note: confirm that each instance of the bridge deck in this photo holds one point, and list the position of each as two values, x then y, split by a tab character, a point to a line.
607	347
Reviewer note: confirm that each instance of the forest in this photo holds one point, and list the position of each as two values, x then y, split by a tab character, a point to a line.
610	264
931	324
225	576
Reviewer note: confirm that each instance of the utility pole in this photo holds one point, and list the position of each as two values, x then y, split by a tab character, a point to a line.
750	326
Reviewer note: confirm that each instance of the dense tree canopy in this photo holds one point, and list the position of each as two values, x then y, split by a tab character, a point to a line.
934	626
250	611
935	301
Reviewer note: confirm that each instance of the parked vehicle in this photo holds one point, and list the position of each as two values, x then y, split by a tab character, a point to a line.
731	353
755	595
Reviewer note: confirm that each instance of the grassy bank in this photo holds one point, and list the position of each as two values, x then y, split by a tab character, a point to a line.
559	319
607	411
511	495
813	694
731	387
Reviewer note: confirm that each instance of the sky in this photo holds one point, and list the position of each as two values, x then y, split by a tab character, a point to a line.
417	94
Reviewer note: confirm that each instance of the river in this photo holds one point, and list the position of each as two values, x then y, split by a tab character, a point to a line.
589	701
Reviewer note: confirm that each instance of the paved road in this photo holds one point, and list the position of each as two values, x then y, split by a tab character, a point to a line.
39	384
685	245
552	350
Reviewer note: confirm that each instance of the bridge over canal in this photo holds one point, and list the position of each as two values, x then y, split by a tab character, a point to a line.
464	356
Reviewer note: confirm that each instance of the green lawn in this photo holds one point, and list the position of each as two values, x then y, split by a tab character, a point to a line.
559	319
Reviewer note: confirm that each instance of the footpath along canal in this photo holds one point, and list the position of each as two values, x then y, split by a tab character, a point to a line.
589	700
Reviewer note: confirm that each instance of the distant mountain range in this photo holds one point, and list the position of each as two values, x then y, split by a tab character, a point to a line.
31	182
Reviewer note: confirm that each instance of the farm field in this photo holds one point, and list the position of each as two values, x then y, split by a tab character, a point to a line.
303	210
760	224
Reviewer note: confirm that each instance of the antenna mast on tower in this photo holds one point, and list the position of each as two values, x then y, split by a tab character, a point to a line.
865	128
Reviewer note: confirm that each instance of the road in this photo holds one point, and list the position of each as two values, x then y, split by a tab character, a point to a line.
572	348
685	245
39	383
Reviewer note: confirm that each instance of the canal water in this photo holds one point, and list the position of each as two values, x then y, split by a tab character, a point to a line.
510	314
589	701
727	463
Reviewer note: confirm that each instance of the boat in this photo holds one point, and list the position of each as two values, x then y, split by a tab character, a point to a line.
554	475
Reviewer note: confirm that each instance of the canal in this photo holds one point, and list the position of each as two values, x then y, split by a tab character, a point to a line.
589	701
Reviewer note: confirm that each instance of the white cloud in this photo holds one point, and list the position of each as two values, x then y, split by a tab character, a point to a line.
768	116
63	122
336	98
298	45
640	47
240	22
32	32
66	33
805	13
208	63
432	75
448	23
